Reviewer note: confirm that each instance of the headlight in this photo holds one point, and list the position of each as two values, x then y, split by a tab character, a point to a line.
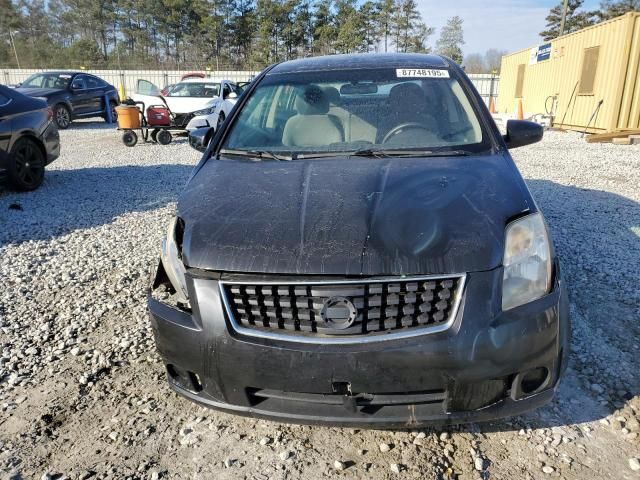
527	262
172	262
205	111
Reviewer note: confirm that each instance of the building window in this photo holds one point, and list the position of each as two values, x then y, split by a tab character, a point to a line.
520	80
589	68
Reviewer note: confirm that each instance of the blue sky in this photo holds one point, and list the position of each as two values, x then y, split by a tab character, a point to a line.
504	24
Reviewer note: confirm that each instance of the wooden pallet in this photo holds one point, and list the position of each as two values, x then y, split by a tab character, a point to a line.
622	137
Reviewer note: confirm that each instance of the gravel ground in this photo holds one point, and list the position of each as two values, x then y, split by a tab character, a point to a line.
83	394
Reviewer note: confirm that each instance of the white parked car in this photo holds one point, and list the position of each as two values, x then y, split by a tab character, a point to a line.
195	102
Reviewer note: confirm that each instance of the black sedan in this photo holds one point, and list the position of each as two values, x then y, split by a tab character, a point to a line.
29	138
72	95
357	247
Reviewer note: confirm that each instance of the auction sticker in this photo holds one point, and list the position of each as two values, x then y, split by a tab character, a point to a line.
421	73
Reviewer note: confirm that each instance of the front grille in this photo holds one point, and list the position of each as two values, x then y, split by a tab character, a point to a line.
347	308
181	120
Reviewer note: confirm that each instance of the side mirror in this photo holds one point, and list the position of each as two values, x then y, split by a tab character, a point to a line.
200	137
232	96
76	86
522	132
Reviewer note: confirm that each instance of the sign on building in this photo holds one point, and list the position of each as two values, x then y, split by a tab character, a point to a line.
540	53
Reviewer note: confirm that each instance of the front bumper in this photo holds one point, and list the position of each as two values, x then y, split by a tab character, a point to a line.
202	121
471	372
51	139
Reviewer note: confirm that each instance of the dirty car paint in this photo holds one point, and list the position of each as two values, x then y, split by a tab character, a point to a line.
351	216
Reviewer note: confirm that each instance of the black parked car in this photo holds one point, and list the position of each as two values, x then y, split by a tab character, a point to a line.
71	95
29	138
357	247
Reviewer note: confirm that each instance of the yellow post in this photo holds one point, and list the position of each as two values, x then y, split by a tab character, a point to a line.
520	113
121	93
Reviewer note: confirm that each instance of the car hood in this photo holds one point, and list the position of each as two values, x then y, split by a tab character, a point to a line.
39	92
356	216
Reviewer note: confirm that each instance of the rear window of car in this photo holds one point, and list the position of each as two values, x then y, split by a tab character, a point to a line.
93	82
47	80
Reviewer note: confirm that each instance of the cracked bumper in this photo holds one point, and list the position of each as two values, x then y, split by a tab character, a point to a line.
468	373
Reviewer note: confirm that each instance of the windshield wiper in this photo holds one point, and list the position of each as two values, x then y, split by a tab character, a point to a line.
446	153
365	152
368	152
381	153
254	154
305	156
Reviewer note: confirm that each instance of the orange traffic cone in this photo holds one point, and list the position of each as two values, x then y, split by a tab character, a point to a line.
492	106
520	114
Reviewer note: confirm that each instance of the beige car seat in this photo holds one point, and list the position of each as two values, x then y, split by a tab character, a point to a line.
313	125
356	128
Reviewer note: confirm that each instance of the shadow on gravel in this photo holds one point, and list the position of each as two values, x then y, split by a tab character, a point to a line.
151	144
99	124
90	123
84	198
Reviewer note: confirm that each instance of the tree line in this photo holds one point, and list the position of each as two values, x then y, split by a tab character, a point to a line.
577	17
239	34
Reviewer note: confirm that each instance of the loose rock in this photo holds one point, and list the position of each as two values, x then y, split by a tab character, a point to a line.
339	465
385	447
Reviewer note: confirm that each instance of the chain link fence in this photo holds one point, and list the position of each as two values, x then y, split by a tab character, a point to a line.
487	85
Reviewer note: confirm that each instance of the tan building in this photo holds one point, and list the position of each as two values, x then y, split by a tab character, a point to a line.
588	79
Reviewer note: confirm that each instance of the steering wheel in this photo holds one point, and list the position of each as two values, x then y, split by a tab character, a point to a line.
399	128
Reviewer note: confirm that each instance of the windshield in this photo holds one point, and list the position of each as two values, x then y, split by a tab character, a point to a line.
195	89
357	110
58	81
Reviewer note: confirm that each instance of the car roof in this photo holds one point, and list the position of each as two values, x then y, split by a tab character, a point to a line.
72	73
202	80
60	72
362	61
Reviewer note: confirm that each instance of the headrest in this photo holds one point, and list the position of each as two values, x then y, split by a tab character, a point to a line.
404	90
333	94
407	95
312	101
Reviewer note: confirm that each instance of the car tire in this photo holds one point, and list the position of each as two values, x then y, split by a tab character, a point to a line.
62	116
220	120
129	138
26	165
163	137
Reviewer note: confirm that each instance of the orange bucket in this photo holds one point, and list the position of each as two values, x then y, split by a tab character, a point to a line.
128	117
